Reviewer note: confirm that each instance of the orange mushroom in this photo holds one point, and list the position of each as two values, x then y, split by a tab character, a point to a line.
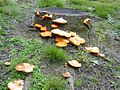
61	39
76	40
86	22
66	75
43	28
61	44
37	13
25	67
46	34
54	26
38	25
74	63
60	32
16	85
47	16
92	50
60	21
72	33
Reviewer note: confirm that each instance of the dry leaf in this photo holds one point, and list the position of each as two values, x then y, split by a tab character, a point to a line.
46	34
60	32
60	21
25	67
66	75
74	63
16	85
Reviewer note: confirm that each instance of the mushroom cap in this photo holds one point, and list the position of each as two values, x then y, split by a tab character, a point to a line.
87	21
101	55
16	85
43	28
54	26
74	63
25	67
37	13
38	25
93	49
72	33
47	16
66	75
60	21
61	39
60	32
76	40
61	44
46	34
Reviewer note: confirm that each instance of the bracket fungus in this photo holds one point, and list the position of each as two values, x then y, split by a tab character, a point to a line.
60	33
66	75
47	16
76	40
61	44
72	33
54	26
92	50
60	21
16	85
74	63
25	67
86	22
46	34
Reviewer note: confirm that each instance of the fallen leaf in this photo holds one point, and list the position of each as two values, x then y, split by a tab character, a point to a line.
25	67
46	34
66	75
60	21
74	63
60	32
16	85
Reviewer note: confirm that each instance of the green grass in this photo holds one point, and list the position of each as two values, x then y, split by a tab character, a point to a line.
97	7
54	54
50	3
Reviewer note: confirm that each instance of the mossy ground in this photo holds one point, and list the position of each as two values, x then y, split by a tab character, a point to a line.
21	48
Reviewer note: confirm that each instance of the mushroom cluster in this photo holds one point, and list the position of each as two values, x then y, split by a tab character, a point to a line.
62	37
